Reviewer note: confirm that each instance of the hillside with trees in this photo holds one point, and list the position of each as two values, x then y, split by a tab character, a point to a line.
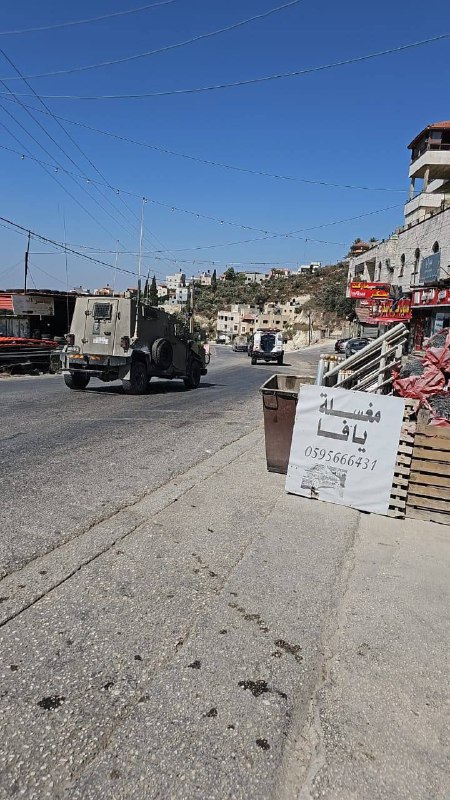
326	288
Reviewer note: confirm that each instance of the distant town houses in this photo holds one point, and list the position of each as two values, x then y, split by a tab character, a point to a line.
244	320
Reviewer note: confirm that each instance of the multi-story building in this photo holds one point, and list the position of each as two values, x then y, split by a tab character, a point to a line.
229	322
176	281
430	163
245	320
414	261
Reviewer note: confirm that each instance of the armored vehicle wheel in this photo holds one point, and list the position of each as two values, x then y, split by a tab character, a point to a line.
77	381
162	353
193	379
138	382
280	361
253	361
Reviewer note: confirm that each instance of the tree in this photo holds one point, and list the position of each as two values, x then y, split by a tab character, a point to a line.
214	281
153	293
230	274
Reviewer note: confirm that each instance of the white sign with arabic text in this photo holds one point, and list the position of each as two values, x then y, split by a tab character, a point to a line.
344	447
36	305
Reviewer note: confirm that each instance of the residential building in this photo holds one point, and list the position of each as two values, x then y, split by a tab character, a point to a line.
245	320
229	321
204	278
162	290
309	269
105	291
254	277
430	163
414	261
280	273
175	281
181	295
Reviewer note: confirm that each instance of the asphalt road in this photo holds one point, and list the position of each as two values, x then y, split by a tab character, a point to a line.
216	638
68	459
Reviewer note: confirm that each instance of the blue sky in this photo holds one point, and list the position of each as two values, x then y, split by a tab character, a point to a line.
348	125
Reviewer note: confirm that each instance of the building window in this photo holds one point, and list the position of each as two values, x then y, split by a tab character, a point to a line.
436	247
402	265
235	327
416	264
379	271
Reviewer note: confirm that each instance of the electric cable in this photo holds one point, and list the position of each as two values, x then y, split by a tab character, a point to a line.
28	111
247	81
58	25
164	49
214	163
221	221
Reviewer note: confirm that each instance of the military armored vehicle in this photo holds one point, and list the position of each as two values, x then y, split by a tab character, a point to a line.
127	339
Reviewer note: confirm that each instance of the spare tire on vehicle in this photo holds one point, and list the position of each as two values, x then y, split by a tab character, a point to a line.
162	353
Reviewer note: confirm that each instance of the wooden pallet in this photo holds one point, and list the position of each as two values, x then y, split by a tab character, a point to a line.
402	469
428	496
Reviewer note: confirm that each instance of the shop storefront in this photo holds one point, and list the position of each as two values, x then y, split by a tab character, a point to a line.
431	313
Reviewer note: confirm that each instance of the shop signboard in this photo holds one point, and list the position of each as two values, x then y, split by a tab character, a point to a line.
431	297
389	310
34	305
430	268
344	447
362	290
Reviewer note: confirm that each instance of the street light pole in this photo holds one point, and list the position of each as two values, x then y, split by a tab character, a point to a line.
27	253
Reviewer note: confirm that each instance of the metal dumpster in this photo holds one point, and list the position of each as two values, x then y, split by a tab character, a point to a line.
280	394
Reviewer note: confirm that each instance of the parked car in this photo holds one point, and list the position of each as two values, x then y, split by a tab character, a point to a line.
353	345
339	346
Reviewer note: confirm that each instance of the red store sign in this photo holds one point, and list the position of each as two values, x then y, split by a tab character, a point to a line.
362	290
389	310
431	297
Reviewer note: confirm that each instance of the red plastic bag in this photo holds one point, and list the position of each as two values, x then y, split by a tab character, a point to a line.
439	356
419	387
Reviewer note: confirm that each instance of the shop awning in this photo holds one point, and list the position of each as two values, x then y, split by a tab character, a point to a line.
6	303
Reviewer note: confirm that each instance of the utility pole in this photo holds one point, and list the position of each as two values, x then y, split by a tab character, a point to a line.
115	267
191	319
141	236
27	253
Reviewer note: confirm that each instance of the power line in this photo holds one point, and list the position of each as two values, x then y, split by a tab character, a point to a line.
218	220
59	25
166	48
213	163
25	231
248	81
49	112
53	140
44	166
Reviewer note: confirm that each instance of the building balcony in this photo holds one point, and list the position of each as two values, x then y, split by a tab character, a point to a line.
436	161
424	205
